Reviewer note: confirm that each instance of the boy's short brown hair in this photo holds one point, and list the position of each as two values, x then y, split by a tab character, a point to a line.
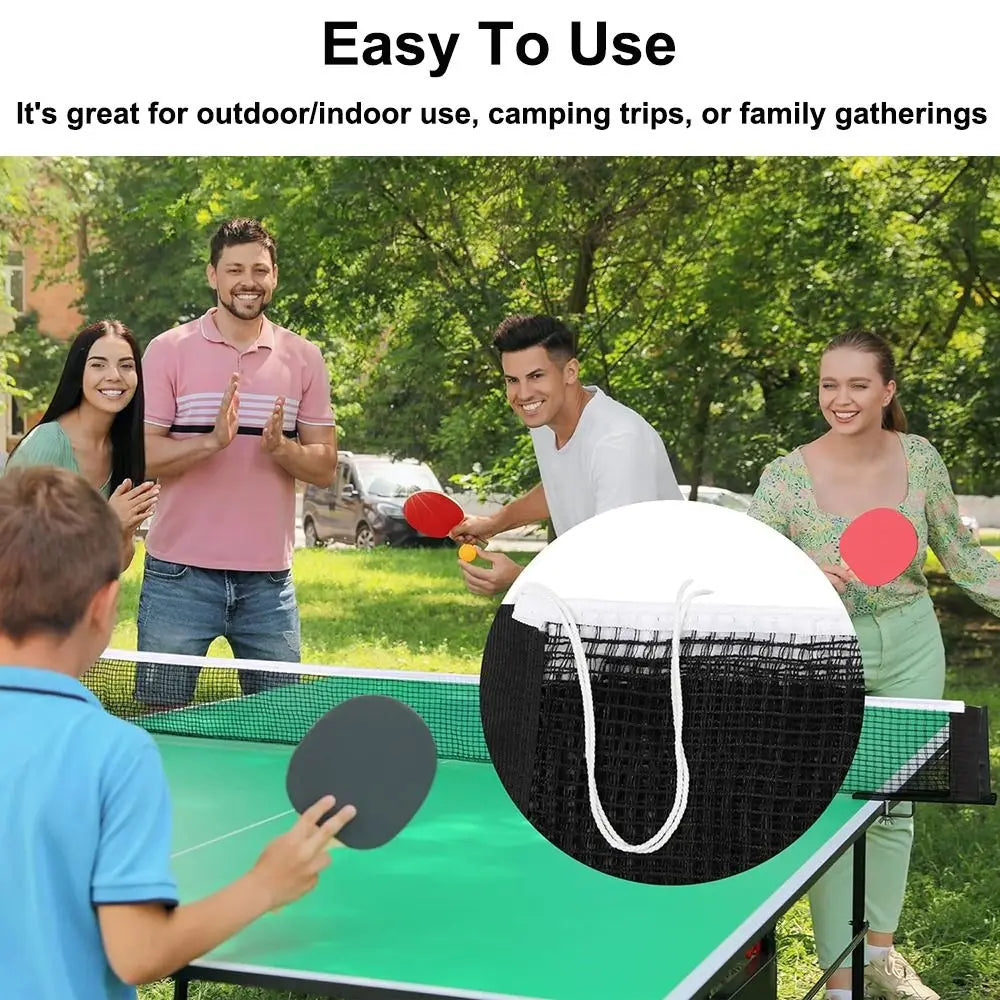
60	542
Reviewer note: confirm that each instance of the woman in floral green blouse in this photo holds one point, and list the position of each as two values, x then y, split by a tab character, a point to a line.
866	459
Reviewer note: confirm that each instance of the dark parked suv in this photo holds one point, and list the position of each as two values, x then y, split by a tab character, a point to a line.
364	504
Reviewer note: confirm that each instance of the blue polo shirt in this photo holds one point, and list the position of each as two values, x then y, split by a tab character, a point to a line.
84	820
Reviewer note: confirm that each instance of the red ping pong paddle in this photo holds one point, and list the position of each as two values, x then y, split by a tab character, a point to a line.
878	545
434	514
372	752
431	513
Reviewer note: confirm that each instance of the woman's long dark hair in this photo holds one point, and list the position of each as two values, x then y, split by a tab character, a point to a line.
128	450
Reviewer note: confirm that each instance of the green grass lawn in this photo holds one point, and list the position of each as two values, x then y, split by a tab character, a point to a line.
409	610
402	609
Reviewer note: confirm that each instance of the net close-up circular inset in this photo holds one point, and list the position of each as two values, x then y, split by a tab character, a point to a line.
672	692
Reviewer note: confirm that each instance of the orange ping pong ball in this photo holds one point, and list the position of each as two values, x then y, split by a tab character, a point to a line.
467	552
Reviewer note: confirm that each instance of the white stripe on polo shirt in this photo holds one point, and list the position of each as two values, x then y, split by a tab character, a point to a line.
202	408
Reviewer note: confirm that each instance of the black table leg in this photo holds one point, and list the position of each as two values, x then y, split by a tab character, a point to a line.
858	919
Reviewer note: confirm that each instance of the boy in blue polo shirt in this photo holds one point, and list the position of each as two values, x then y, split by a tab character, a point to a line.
88	903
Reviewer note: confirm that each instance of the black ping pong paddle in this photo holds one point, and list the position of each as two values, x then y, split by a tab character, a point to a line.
372	752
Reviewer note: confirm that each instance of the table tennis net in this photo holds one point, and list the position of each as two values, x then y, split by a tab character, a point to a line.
920	749
799	698
669	753
275	702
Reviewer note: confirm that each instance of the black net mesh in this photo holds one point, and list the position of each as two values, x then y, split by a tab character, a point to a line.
924	754
211	700
770	729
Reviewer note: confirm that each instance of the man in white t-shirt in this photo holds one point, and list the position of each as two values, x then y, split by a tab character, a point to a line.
593	453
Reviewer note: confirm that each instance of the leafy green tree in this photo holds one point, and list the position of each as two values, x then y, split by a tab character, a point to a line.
703	289
36	361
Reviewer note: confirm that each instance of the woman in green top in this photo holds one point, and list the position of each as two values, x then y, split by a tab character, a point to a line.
866	459
94	425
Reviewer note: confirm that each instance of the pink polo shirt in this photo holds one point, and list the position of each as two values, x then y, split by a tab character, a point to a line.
236	509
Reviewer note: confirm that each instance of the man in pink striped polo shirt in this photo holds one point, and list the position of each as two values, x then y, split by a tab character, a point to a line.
236	410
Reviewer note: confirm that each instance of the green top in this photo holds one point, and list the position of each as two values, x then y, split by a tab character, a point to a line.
785	500
47	444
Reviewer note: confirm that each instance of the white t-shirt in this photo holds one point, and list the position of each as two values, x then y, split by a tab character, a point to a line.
613	459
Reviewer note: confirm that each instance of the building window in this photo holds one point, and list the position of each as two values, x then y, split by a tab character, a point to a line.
12	277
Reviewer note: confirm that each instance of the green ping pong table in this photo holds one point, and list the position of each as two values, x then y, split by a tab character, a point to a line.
468	901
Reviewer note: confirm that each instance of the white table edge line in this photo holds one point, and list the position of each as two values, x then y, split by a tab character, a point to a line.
457	992
789	891
283	667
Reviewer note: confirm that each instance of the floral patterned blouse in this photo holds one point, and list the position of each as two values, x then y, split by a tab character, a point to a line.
785	500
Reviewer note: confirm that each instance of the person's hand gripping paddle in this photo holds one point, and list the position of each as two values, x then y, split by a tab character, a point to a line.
435	514
372	752
878	545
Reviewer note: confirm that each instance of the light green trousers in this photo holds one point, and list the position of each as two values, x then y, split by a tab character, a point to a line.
903	657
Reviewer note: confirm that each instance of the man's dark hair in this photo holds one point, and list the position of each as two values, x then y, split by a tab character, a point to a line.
238	231
516	333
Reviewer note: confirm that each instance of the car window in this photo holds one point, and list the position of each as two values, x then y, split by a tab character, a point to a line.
382	487
396	479
343	479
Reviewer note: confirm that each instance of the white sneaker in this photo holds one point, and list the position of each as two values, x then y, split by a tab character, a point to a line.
893	978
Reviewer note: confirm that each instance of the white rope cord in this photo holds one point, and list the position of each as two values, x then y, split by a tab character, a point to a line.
673	820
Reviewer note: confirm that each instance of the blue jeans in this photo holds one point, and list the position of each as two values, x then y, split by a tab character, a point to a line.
183	609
